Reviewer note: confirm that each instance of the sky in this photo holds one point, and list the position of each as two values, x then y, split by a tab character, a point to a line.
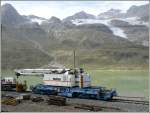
62	9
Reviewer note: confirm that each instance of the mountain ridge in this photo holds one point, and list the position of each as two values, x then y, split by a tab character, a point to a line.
80	15
10	16
44	42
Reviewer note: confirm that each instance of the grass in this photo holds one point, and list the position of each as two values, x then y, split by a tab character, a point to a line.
126	82
119	58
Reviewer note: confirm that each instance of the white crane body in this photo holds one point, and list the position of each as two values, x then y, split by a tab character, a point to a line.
59	77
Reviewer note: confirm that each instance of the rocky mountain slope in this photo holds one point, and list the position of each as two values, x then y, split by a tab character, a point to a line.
10	16
80	15
19	52
112	13
136	33
139	11
133	23
33	41
18	49
34	18
133	11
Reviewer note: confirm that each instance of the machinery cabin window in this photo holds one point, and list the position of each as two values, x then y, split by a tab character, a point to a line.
59	79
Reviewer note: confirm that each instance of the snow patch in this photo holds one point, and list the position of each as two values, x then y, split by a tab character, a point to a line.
134	21
116	30
39	21
86	21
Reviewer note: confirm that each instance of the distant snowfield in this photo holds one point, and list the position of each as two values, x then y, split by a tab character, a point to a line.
39	21
134	21
116	30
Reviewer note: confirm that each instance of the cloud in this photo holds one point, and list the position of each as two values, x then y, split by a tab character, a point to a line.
62	9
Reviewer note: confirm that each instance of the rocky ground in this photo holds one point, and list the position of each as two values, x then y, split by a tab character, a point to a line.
29	106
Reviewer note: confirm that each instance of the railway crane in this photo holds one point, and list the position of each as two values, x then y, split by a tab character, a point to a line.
73	83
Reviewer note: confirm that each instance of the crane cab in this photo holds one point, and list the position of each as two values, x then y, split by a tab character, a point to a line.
68	78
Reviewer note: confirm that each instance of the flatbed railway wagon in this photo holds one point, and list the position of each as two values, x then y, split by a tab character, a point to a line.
73	83
99	93
8	84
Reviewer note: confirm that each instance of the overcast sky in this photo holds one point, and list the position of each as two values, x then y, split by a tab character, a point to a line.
63	9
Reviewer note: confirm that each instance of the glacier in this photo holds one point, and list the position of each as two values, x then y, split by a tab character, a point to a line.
116	30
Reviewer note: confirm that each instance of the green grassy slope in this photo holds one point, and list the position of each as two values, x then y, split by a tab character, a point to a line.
18	52
110	58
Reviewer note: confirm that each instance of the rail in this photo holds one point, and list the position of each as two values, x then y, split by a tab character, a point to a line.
125	99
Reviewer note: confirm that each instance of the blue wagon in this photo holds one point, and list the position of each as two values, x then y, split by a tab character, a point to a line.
99	93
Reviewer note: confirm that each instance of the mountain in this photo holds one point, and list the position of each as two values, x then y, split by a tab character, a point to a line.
138	11
54	20
10	16
34	18
120	23
144	18
112	13
94	35
138	34
80	15
21	41
134	11
91	37
18	51
134	23
97	27
51	25
31	45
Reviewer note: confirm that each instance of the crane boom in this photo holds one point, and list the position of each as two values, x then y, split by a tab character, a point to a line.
37	72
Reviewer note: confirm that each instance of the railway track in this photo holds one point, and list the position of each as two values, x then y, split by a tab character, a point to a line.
129	100
121	99
97	108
